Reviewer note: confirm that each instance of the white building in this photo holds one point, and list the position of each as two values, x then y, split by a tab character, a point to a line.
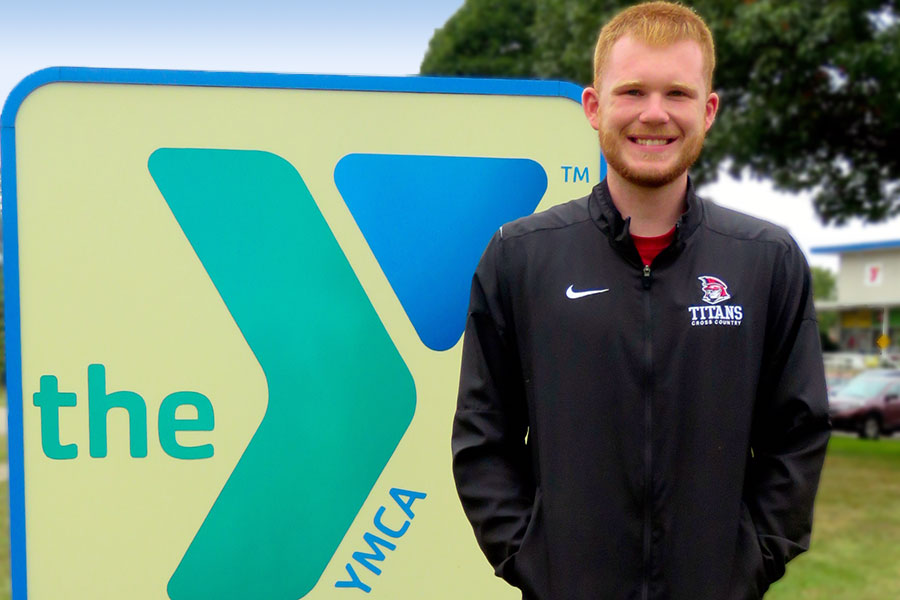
868	296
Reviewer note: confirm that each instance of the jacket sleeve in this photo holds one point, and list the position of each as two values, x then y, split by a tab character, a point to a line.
491	463
790	425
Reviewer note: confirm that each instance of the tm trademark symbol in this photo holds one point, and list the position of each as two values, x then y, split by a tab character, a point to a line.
577	174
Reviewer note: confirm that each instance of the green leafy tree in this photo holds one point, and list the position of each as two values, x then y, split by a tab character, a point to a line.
485	38
810	89
825	288
824	283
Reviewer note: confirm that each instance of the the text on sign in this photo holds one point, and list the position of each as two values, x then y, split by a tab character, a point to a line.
50	400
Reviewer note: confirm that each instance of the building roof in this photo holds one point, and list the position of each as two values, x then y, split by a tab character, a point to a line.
884	245
838	305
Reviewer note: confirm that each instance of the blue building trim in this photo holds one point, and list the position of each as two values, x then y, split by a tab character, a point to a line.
884	245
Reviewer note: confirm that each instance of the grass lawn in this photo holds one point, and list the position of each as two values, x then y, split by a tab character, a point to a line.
855	551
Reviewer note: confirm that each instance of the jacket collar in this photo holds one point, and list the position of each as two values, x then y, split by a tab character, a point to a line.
609	220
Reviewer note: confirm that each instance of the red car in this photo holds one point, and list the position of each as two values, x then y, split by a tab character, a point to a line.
868	404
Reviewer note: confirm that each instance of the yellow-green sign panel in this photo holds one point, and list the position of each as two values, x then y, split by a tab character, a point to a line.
234	306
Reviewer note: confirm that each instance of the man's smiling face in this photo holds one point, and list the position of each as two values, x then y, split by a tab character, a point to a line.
652	110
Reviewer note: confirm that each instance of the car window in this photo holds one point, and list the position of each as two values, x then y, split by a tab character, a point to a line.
863	387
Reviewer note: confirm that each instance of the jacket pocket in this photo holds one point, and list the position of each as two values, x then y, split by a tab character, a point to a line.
748	575
527	568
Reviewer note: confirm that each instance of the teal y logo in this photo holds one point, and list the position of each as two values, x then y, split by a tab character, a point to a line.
340	395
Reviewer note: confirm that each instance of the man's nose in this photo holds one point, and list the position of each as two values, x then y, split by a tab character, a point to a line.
654	110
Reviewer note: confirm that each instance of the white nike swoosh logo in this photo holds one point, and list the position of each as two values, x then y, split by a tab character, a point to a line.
570	293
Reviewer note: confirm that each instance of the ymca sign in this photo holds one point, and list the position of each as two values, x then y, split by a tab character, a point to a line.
234	305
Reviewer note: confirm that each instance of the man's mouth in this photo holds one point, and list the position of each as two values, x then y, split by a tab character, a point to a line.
643	141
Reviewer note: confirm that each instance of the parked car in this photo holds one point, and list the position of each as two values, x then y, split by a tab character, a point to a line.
868	404
835	383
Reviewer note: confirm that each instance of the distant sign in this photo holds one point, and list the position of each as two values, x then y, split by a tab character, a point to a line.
234	306
860	318
883	341
873	274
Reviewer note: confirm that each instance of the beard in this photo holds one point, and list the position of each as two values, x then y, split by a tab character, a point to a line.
648	176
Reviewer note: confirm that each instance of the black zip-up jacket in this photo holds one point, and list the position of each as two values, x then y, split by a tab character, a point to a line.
659	439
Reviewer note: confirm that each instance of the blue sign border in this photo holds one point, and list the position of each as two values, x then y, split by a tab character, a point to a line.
407	84
356	83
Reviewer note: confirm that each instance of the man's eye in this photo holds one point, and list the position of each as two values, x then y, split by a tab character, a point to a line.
633	92
677	93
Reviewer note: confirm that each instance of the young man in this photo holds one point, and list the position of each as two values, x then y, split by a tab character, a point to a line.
642	408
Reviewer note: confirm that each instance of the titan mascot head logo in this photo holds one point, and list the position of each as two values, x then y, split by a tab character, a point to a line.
714	289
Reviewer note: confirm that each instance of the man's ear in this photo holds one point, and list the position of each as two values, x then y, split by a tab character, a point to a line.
712	107
590	102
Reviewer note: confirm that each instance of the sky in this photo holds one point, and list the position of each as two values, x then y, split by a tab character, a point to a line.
354	37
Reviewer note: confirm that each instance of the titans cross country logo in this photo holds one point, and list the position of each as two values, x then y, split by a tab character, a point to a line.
715	291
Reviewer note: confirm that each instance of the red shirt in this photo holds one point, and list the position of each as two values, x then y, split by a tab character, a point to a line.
649	247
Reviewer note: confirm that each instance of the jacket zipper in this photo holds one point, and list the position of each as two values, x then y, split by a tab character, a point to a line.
648	438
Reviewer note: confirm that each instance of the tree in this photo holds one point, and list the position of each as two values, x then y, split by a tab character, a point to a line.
486	38
824	283
809	88
825	288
